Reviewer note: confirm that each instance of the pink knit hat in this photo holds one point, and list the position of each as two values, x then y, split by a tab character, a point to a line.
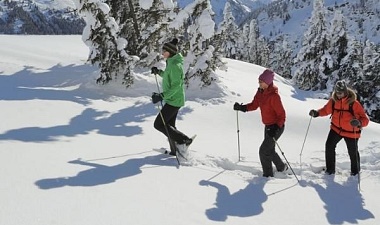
267	76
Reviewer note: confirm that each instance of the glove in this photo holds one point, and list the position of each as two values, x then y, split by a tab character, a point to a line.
240	107
314	113
155	70
355	123
156	97
272	130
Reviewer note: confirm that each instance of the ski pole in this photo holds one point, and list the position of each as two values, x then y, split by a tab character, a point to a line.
238	133
303	144
163	121
286	159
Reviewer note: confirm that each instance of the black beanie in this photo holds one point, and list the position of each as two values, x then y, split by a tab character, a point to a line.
171	47
341	86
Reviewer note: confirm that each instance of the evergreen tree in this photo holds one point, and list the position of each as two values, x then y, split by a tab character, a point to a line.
339	39
351	66
370	84
281	59
242	46
142	26
263	52
258	52
314	63
253	38
228	34
199	61
106	46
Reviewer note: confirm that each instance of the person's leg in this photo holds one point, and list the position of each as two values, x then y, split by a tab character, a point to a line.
277	161
332	140
169	114
268	154
352	147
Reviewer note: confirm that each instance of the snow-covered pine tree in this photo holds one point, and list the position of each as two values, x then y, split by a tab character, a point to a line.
106	47
127	14
199	62
370	84
258	52
154	30
253	37
339	39
281	59
351	66
228	33
263	52
242	46
313	61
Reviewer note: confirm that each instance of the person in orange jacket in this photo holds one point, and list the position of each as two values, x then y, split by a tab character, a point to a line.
347	120
273	117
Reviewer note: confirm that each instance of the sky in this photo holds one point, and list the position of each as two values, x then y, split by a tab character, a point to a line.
73	152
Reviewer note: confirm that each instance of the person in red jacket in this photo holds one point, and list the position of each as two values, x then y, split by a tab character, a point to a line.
273	117
347	119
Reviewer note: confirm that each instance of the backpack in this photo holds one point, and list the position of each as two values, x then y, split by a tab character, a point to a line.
350	108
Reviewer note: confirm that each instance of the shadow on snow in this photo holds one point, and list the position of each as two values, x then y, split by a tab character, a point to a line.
101	174
343	203
243	203
89	120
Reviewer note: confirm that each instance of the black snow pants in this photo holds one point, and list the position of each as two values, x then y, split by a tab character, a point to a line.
352	147
268	153
169	114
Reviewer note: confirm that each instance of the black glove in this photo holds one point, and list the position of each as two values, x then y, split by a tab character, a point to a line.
355	123
314	113
240	107
155	70
156	97
272	130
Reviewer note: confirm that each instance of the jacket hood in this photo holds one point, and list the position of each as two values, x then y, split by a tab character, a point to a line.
351	96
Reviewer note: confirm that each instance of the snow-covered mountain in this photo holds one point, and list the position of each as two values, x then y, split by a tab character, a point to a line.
290	19
39	17
240	8
58	16
275	18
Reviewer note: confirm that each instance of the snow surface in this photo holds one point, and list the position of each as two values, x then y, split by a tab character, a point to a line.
76	153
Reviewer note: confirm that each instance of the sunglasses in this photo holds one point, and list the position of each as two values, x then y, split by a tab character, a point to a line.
340	93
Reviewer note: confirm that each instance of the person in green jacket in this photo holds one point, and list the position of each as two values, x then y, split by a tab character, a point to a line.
173	94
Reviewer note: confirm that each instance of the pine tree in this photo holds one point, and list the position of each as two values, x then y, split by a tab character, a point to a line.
370	84
281	59
106	46
253	41
199	61
228	34
351	66
339	39
314	63
242	46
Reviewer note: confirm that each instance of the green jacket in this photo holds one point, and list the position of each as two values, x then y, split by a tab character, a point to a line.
172	81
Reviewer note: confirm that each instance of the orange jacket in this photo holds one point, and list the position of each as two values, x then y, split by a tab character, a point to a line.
269	101
341	116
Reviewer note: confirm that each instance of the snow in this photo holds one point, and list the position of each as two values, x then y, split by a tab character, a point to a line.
73	152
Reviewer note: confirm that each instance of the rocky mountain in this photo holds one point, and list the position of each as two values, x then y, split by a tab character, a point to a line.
277	19
59	17
289	19
39	17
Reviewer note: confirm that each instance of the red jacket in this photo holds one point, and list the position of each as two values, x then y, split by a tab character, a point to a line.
341	116
269	101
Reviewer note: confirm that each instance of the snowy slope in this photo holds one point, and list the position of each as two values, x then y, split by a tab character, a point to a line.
76	153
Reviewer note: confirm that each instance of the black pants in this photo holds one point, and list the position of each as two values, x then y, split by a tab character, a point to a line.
268	153
169	114
352	147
